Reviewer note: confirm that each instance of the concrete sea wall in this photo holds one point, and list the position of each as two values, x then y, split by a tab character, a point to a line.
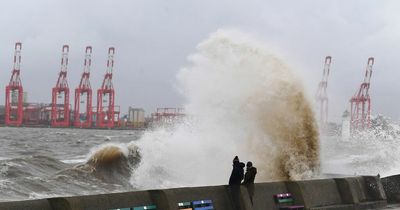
366	192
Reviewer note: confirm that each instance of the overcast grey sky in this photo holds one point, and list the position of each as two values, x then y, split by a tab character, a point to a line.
154	38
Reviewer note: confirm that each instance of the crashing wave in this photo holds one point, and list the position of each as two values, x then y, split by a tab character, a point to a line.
242	100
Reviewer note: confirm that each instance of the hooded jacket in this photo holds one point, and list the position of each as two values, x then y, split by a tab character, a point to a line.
250	175
237	173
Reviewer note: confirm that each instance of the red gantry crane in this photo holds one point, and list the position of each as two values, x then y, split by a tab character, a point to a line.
321	97
361	102
14	92
60	95
83	94
105	96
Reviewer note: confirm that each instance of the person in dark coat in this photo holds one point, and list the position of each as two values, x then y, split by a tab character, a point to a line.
237	172
249	177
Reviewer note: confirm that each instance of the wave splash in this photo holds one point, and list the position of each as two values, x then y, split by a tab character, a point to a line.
369	152
110	163
242	100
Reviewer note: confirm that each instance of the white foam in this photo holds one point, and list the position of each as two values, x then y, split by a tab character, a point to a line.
374	151
74	161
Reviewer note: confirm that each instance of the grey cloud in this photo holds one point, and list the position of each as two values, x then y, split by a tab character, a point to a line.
153	39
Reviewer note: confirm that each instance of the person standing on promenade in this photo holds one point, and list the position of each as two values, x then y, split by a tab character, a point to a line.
249	177
237	172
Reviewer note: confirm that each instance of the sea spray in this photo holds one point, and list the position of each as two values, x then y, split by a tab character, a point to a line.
242	100
369	152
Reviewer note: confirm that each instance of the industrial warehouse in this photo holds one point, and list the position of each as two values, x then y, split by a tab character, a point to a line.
18	112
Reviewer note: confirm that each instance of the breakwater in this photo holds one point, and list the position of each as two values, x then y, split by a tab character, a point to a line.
363	192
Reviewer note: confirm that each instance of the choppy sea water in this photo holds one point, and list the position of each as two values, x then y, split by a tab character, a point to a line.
46	162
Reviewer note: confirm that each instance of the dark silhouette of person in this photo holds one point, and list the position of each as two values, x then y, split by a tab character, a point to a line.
237	172
249	177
